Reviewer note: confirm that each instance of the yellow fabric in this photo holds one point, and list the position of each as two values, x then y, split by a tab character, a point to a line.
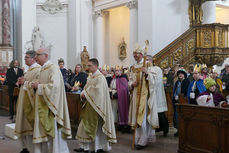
220	84
28	109
147	97
142	95
90	120
25	104
50	104
97	94
46	117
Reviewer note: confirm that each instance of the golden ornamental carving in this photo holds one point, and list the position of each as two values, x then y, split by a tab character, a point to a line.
164	63
195	12
201	43
190	46
207	38
177	55
219	38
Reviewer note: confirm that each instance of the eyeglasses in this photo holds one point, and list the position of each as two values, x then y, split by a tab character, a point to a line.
38	54
27	57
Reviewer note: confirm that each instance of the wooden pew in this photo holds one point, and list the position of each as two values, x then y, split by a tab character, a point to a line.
4	98
169	113
74	105
203	129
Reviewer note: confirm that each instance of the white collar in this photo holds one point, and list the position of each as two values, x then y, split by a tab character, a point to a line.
141	61
96	72
33	65
46	63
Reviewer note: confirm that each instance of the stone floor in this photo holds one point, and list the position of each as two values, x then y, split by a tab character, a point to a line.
167	144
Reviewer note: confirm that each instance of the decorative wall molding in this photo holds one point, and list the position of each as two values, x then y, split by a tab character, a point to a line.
100	13
132	4
52	7
108	4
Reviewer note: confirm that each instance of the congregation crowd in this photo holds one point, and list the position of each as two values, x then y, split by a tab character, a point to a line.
128	99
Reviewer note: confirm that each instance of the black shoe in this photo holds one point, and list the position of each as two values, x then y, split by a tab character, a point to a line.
11	117
99	151
176	134
24	151
139	147
80	150
165	134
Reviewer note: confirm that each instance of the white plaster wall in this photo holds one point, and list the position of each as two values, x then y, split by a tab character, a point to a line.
54	30
26	21
169	19
223	3
118	27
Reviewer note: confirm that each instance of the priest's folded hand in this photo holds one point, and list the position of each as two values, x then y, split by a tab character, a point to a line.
35	85
21	80
144	70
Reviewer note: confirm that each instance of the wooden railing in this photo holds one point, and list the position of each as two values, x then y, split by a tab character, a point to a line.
200	44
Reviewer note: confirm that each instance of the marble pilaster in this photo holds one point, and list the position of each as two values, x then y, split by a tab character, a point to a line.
133	6
6	22
99	36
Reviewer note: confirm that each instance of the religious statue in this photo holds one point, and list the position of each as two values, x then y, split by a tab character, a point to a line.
122	49
84	57
37	39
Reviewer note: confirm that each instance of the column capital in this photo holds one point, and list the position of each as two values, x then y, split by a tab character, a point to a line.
100	13
132	4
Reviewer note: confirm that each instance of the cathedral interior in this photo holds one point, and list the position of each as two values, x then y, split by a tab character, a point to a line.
179	34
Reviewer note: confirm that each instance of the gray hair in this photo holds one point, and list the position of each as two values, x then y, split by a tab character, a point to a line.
46	51
31	53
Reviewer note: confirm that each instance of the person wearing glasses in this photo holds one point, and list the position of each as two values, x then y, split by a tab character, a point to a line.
51	117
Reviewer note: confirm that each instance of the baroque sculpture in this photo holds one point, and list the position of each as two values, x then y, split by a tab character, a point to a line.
122	49
37	39
84	57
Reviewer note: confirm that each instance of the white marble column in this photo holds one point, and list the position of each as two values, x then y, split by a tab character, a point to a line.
132	5
25	22
6	22
209	12
99	37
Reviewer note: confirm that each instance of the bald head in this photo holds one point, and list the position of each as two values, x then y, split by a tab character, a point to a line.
43	51
42	56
